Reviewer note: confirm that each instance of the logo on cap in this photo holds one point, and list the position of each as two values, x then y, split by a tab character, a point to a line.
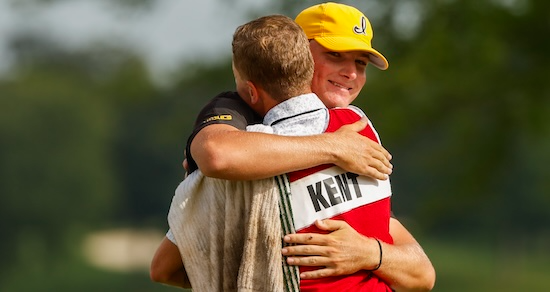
363	28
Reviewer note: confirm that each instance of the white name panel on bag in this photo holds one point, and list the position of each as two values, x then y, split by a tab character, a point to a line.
333	191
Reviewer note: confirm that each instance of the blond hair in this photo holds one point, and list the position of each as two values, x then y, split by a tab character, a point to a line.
273	53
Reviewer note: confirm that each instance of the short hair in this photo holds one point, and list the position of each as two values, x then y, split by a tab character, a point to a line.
273	52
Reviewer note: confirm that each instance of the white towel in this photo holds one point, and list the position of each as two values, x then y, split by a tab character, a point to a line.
229	234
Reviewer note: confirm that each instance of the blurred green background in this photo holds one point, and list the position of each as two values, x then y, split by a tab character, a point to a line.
92	136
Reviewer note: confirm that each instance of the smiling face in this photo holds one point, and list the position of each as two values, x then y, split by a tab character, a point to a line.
339	76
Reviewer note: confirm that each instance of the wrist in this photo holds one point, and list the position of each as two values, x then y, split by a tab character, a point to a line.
376	255
325	148
333	150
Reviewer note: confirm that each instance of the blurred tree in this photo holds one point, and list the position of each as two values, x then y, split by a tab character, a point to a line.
87	141
153	128
55	157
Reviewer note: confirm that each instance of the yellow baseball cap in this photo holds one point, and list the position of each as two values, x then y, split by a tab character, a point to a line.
340	28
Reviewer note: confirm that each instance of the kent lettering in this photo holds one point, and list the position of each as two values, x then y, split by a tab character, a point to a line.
334	190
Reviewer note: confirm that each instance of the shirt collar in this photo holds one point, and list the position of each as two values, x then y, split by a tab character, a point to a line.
294	106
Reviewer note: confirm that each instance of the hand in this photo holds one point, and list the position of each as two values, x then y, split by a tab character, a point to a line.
341	252
361	155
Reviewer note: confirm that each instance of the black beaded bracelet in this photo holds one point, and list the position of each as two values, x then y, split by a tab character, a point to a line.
380	262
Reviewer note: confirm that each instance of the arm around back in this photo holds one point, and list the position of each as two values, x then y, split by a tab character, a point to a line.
167	266
405	266
223	151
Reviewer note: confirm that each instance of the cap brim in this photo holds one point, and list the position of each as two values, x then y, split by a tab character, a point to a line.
345	44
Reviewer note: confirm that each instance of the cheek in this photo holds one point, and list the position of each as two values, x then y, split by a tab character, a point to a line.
360	82
362	76
318	76
315	83
361	79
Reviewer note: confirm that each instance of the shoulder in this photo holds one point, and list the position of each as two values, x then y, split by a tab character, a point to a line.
356	110
226	99
349	110
350	113
229	108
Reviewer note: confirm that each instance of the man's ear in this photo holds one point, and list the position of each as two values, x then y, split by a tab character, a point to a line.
252	92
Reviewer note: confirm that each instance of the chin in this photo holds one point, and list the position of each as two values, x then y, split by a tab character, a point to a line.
339	101
334	99
337	104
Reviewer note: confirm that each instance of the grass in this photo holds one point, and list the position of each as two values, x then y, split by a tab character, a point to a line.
461	265
479	266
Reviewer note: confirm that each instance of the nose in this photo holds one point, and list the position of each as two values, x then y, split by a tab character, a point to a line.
349	70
